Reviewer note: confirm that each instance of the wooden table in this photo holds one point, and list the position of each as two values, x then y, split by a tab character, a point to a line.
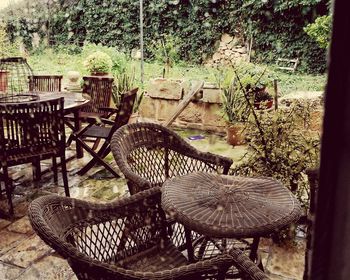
222	206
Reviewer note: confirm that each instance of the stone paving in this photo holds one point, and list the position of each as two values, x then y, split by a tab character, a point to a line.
24	256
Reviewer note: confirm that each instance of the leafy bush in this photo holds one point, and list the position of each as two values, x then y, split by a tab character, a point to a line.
278	149
119	59
98	62
320	30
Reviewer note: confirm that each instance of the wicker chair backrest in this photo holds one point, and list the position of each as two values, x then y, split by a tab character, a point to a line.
149	153
107	233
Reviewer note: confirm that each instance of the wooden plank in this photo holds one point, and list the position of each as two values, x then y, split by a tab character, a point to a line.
292	62
183	104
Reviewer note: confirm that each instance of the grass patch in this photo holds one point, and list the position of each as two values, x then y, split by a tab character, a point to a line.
60	62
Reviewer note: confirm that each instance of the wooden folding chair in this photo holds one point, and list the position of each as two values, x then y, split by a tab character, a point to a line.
104	131
100	91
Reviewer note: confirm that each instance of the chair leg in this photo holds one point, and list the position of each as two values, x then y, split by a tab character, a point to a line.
97	158
64	175
54	168
254	252
96	143
36	169
8	187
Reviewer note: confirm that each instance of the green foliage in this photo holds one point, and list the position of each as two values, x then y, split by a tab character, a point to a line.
98	62
234	105
275	26
119	59
123	82
282	145
166	51
7	49
320	30
244	77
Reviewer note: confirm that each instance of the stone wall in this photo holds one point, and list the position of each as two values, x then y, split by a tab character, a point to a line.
204	112
230	50
164	95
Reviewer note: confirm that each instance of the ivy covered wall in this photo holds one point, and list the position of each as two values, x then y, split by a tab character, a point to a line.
276	26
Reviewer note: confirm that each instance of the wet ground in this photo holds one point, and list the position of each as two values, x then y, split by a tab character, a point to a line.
24	256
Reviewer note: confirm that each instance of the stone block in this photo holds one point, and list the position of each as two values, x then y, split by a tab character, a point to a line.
212	115
21	226
4	223
9	240
26	252
165	109
192	113
216	56
9	271
166	89
226	38
147	107
211	94
50	267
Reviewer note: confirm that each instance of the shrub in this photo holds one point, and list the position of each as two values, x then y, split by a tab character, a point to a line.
282	146
98	62
320	30
119	59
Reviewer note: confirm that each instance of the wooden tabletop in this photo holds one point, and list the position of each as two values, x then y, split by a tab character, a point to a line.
71	103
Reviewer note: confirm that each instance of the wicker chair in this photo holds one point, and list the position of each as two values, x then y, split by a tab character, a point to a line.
30	132
45	83
125	239
148	154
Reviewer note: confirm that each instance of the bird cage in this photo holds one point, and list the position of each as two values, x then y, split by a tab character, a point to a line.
14	80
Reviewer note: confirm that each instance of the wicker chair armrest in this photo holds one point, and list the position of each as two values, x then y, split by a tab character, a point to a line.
218	265
246	266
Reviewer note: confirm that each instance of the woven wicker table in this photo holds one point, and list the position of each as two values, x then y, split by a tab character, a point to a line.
229	206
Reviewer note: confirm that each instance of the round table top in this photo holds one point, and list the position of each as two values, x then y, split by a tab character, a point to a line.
70	101
229	206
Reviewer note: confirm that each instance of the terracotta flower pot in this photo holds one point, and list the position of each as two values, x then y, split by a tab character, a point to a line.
99	74
263	105
235	134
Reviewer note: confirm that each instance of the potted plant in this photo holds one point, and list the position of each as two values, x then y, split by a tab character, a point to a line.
236	113
98	63
262	98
